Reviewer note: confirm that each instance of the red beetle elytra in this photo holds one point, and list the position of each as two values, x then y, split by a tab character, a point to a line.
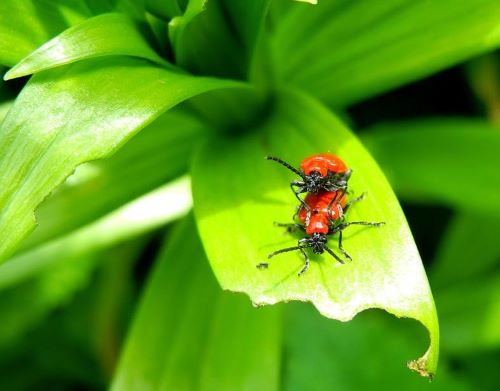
323	217
323	163
320	172
325	208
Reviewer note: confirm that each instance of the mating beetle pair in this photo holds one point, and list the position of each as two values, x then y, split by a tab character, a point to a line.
322	213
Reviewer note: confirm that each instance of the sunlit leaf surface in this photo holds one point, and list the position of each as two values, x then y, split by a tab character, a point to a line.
103	35
27	24
238	195
71	115
156	155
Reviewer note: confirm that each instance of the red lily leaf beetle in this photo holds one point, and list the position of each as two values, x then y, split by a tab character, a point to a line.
325	208
323	217
320	172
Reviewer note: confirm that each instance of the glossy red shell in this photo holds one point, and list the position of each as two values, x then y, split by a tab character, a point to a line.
320	213
322	163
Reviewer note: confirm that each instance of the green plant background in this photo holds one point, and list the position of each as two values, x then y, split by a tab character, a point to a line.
118	116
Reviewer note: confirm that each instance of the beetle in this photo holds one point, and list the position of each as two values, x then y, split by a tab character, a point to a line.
319	172
323	217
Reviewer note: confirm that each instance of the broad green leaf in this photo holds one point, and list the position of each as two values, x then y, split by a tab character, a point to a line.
343	51
219	38
470	314
365	354
446	160
187	334
238	195
104	35
143	215
465	253
4	109
156	155
71	115
27	24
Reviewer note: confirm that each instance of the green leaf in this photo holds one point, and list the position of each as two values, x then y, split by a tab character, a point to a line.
27	24
464	253
362	355
156	155
238	195
4	109
143	215
71	115
439	159
187	334
470	314
178	25
112	298
248	19
218	37
104	35
343	51
466	282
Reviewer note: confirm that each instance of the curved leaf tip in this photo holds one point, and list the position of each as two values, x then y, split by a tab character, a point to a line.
103	35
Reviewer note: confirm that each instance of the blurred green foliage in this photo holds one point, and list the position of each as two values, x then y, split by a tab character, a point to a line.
106	293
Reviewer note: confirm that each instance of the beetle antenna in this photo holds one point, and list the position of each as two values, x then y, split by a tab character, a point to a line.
284	250
283	163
